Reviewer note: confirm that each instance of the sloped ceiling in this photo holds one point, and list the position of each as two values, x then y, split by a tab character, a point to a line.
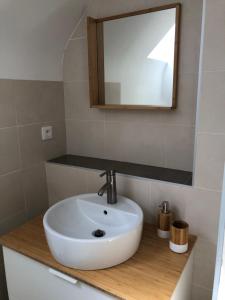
33	34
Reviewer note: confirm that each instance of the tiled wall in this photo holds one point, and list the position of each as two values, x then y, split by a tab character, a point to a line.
25	106
163	138
210	131
90	132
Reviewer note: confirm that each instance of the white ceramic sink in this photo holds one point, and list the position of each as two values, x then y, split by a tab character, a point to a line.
70	226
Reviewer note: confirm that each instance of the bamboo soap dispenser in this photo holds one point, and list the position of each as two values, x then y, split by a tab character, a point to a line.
164	220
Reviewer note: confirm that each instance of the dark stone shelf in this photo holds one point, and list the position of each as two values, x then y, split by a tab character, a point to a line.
151	172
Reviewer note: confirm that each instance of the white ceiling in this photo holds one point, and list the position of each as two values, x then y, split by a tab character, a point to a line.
33	34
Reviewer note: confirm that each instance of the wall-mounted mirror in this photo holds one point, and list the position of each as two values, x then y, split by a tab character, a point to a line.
133	59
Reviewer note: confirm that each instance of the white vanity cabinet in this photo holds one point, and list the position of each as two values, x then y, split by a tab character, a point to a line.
30	280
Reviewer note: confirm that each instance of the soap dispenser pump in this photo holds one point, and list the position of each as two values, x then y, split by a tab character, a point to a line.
164	220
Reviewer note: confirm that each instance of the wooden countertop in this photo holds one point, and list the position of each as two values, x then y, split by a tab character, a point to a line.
151	274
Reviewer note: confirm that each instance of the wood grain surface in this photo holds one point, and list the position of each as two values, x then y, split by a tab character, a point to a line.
151	274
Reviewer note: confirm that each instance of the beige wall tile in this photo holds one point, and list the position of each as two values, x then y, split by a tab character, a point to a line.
76	61
56	146
204	263
177	196
94	181
31	145
185	113
212	112
210	159
77	102
34	150
214	44
38	101
149	116
13	221
64	182
9	150
190	42
27	95
12	200
202	213
179	147
200	293
85	138
192	9
7	104
52	101
35	190
134	142
137	190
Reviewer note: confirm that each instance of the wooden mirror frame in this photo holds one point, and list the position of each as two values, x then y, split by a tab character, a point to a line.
96	59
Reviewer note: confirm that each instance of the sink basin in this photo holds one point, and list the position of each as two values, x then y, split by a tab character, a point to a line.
84	232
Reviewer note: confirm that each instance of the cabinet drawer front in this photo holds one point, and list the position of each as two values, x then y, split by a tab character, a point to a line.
28	279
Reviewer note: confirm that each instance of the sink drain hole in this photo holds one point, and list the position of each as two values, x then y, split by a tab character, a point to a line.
98	233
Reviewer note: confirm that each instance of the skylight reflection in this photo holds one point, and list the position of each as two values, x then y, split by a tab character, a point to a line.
164	50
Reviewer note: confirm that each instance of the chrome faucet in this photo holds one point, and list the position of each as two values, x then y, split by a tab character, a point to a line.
109	186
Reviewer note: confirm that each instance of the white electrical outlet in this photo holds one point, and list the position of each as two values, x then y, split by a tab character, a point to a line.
46	133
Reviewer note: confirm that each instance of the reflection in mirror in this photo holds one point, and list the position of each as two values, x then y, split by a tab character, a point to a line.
139	56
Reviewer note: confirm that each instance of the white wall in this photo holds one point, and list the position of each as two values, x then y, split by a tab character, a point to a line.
32	37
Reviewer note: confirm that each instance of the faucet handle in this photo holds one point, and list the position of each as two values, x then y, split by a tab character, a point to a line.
109	172
103	174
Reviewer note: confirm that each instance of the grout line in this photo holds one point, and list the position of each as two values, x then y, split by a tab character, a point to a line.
69	40
78	38
32	80
206	189
199	91
11	172
8	127
83	14
150	191
164	152
22	169
213	71
104	136
86	120
76	81
31	124
40	123
194	187
202	287
211	133
140	122
75	28
133	122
